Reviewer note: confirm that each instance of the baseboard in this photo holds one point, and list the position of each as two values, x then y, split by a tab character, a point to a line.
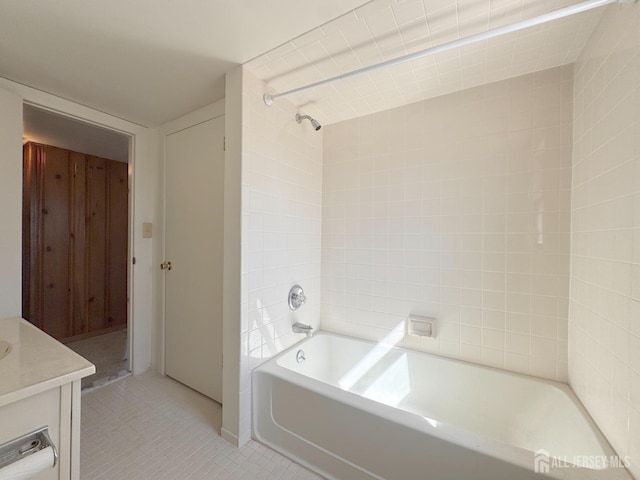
230	437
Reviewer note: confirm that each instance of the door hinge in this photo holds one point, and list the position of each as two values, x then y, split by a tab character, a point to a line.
133	260
224	143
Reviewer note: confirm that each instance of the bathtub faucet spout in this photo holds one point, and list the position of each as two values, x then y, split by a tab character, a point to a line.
302	328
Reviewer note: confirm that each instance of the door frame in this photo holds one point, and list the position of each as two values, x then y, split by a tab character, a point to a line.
204	114
130	216
144	192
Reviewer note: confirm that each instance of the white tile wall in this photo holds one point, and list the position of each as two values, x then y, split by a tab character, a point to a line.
605	245
281	223
457	208
385	29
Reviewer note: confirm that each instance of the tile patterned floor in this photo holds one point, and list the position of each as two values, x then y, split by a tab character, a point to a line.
152	427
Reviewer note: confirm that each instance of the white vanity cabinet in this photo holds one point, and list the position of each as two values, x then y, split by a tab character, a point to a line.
40	387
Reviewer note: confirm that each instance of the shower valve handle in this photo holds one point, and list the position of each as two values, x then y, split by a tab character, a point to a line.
297	298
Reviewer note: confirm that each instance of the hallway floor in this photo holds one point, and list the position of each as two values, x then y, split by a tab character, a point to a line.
152	427
108	353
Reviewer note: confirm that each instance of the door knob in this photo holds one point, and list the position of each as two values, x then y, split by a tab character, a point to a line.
165	266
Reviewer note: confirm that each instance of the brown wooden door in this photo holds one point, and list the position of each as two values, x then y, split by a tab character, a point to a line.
97	242
55	288
79	303
31	231
75	242
118	188
46	246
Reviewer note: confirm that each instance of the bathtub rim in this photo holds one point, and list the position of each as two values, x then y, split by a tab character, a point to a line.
469	439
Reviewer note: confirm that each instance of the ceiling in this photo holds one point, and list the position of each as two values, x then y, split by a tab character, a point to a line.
44	127
147	61
385	29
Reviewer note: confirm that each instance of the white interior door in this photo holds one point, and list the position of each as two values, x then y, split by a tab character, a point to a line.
194	198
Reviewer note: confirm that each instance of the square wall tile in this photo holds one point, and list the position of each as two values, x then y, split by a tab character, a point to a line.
603	364
457	216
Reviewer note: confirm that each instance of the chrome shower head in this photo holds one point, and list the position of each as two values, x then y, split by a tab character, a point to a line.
314	123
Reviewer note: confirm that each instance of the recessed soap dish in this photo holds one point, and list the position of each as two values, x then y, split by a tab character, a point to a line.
419	326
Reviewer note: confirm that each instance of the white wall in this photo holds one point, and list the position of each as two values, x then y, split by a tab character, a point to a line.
41	126
604	335
456	208
145	153
281	230
10	204
232	240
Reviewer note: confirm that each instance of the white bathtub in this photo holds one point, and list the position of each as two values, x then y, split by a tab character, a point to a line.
359	410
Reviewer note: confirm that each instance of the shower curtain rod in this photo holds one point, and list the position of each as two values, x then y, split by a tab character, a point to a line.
547	17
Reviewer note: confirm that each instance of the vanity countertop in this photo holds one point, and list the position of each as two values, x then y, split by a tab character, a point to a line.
36	362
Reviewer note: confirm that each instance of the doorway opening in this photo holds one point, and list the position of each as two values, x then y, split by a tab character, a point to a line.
76	207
